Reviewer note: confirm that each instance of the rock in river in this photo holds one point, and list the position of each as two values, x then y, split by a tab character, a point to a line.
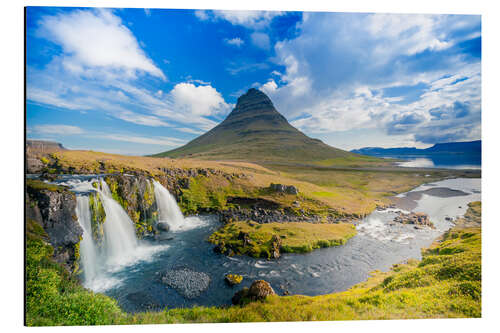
186	282
163	226
258	291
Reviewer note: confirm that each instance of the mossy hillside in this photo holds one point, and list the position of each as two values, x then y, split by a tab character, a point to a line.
445	284
296	237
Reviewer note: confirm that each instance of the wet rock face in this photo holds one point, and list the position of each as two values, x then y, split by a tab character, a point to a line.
186	282
258	291
417	219
55	212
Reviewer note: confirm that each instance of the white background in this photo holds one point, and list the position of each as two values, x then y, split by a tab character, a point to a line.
12	157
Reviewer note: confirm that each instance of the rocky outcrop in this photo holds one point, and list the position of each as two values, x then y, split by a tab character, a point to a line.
417	219
261	215
136	195
43	146
258	291
288	189
53	208
275	247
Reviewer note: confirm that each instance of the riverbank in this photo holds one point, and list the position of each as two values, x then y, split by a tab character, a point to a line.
446	283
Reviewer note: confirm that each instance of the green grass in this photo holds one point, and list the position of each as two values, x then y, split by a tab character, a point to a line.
296	237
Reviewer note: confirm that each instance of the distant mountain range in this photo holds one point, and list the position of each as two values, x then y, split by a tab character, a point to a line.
470	147
256	131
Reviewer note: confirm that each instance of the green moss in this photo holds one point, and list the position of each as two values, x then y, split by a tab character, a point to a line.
76	268
297	237
40	185
97	217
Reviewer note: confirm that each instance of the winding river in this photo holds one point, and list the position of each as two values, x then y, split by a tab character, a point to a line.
379	244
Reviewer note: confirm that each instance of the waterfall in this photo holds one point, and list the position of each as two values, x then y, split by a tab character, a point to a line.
168	210
119	246
88	251
119	231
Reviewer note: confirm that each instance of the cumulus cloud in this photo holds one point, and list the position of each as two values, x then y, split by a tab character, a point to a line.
57	129
198	100
97	39
338	71
238	42
102	68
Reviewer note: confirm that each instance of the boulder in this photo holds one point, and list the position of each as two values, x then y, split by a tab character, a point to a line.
258	291
275	247
289	189
162	226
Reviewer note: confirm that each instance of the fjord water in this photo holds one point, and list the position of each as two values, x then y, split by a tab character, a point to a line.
135	280
445	161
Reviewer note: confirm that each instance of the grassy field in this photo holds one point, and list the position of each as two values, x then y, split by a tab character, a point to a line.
345	190
295	237
446	283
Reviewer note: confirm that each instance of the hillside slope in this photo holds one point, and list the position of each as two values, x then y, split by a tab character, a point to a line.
256	131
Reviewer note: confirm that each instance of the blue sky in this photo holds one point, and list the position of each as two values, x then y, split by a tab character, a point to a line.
136	81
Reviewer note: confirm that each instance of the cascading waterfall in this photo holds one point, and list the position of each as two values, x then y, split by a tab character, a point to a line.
168	210
119	246
119	233
88	251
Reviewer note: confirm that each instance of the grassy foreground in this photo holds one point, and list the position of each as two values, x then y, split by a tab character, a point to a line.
296	237
446	283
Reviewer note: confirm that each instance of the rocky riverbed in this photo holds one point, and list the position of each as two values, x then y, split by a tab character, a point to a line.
186	282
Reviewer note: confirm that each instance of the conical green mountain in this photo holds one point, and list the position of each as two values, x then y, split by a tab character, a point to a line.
255	131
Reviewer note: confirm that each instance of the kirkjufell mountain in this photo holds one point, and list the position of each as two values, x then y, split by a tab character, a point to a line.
256	131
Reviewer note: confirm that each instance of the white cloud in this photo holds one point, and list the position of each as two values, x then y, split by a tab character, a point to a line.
57	129
253	19
50	98
337	68
189	130
198	100
261	40
406	34
97	39
269	87
141	119
238	42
